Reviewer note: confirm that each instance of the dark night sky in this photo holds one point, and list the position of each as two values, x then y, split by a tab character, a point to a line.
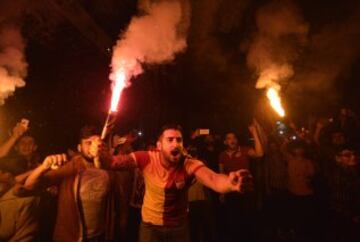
68	86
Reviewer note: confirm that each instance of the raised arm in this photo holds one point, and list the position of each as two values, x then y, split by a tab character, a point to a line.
18	130
22	177
257	151
51	162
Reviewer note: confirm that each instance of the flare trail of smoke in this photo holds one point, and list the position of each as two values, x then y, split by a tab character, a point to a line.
154	37
281	31
13	66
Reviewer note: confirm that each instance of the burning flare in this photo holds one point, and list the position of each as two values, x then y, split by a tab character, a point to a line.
152	38
118	86
275	101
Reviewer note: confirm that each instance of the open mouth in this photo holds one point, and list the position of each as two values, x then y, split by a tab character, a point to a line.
175	152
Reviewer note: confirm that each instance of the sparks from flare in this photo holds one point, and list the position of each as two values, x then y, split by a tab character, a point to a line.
118	85
275	101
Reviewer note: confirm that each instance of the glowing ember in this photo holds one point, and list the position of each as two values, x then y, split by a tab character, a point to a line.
275	101
118	85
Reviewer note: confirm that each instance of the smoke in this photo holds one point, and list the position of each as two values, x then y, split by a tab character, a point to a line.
281	33
331	53
214	24
154	37
13	66
206	46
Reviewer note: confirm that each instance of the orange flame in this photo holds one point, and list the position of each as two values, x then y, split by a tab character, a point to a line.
118	85
275	101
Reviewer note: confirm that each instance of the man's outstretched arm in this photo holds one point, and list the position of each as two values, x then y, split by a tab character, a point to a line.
238	181
120	162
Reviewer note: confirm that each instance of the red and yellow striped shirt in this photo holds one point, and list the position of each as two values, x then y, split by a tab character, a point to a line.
165	200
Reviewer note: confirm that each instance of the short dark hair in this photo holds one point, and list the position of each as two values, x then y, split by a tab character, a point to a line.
170	126
231	132
26	134
87	131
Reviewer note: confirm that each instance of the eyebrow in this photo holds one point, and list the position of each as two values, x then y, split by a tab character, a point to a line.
173	137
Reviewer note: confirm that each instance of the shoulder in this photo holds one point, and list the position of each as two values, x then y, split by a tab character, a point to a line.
140	155
78	161
143	158
192	165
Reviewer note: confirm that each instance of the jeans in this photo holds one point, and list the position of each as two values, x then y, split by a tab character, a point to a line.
158	233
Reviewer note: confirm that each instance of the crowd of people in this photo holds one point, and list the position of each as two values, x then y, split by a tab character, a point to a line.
287	183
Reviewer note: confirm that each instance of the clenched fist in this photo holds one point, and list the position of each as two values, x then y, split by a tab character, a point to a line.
54	161
241	181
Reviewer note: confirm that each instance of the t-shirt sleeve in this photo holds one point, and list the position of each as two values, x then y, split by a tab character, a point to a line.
142	159
121	162
192	166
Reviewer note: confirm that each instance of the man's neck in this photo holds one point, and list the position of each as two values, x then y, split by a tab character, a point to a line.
26	157
89	162
166	164
232	150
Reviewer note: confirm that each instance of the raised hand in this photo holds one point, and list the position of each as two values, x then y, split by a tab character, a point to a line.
54	161
19	130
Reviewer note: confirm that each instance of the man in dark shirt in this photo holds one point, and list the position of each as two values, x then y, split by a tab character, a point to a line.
238	207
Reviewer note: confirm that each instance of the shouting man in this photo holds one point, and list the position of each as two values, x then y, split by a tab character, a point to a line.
168	172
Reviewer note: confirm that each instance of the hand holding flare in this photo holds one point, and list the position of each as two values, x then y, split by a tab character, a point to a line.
118	86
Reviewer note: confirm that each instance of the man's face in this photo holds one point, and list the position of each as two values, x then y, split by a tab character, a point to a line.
87	146
347	158
170	145
231	141
338	138
26	146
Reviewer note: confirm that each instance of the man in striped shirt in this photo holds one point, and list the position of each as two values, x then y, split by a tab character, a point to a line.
168	172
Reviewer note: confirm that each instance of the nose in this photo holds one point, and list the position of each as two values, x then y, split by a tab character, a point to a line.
176	144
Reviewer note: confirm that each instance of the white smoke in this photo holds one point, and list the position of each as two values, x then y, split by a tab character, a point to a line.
332	51
281	31
153	38
13	66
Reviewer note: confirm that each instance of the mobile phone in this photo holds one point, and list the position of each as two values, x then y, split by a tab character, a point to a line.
204	131
25	122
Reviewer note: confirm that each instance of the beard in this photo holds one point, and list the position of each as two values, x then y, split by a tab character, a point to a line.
175	156
88	157
233	145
